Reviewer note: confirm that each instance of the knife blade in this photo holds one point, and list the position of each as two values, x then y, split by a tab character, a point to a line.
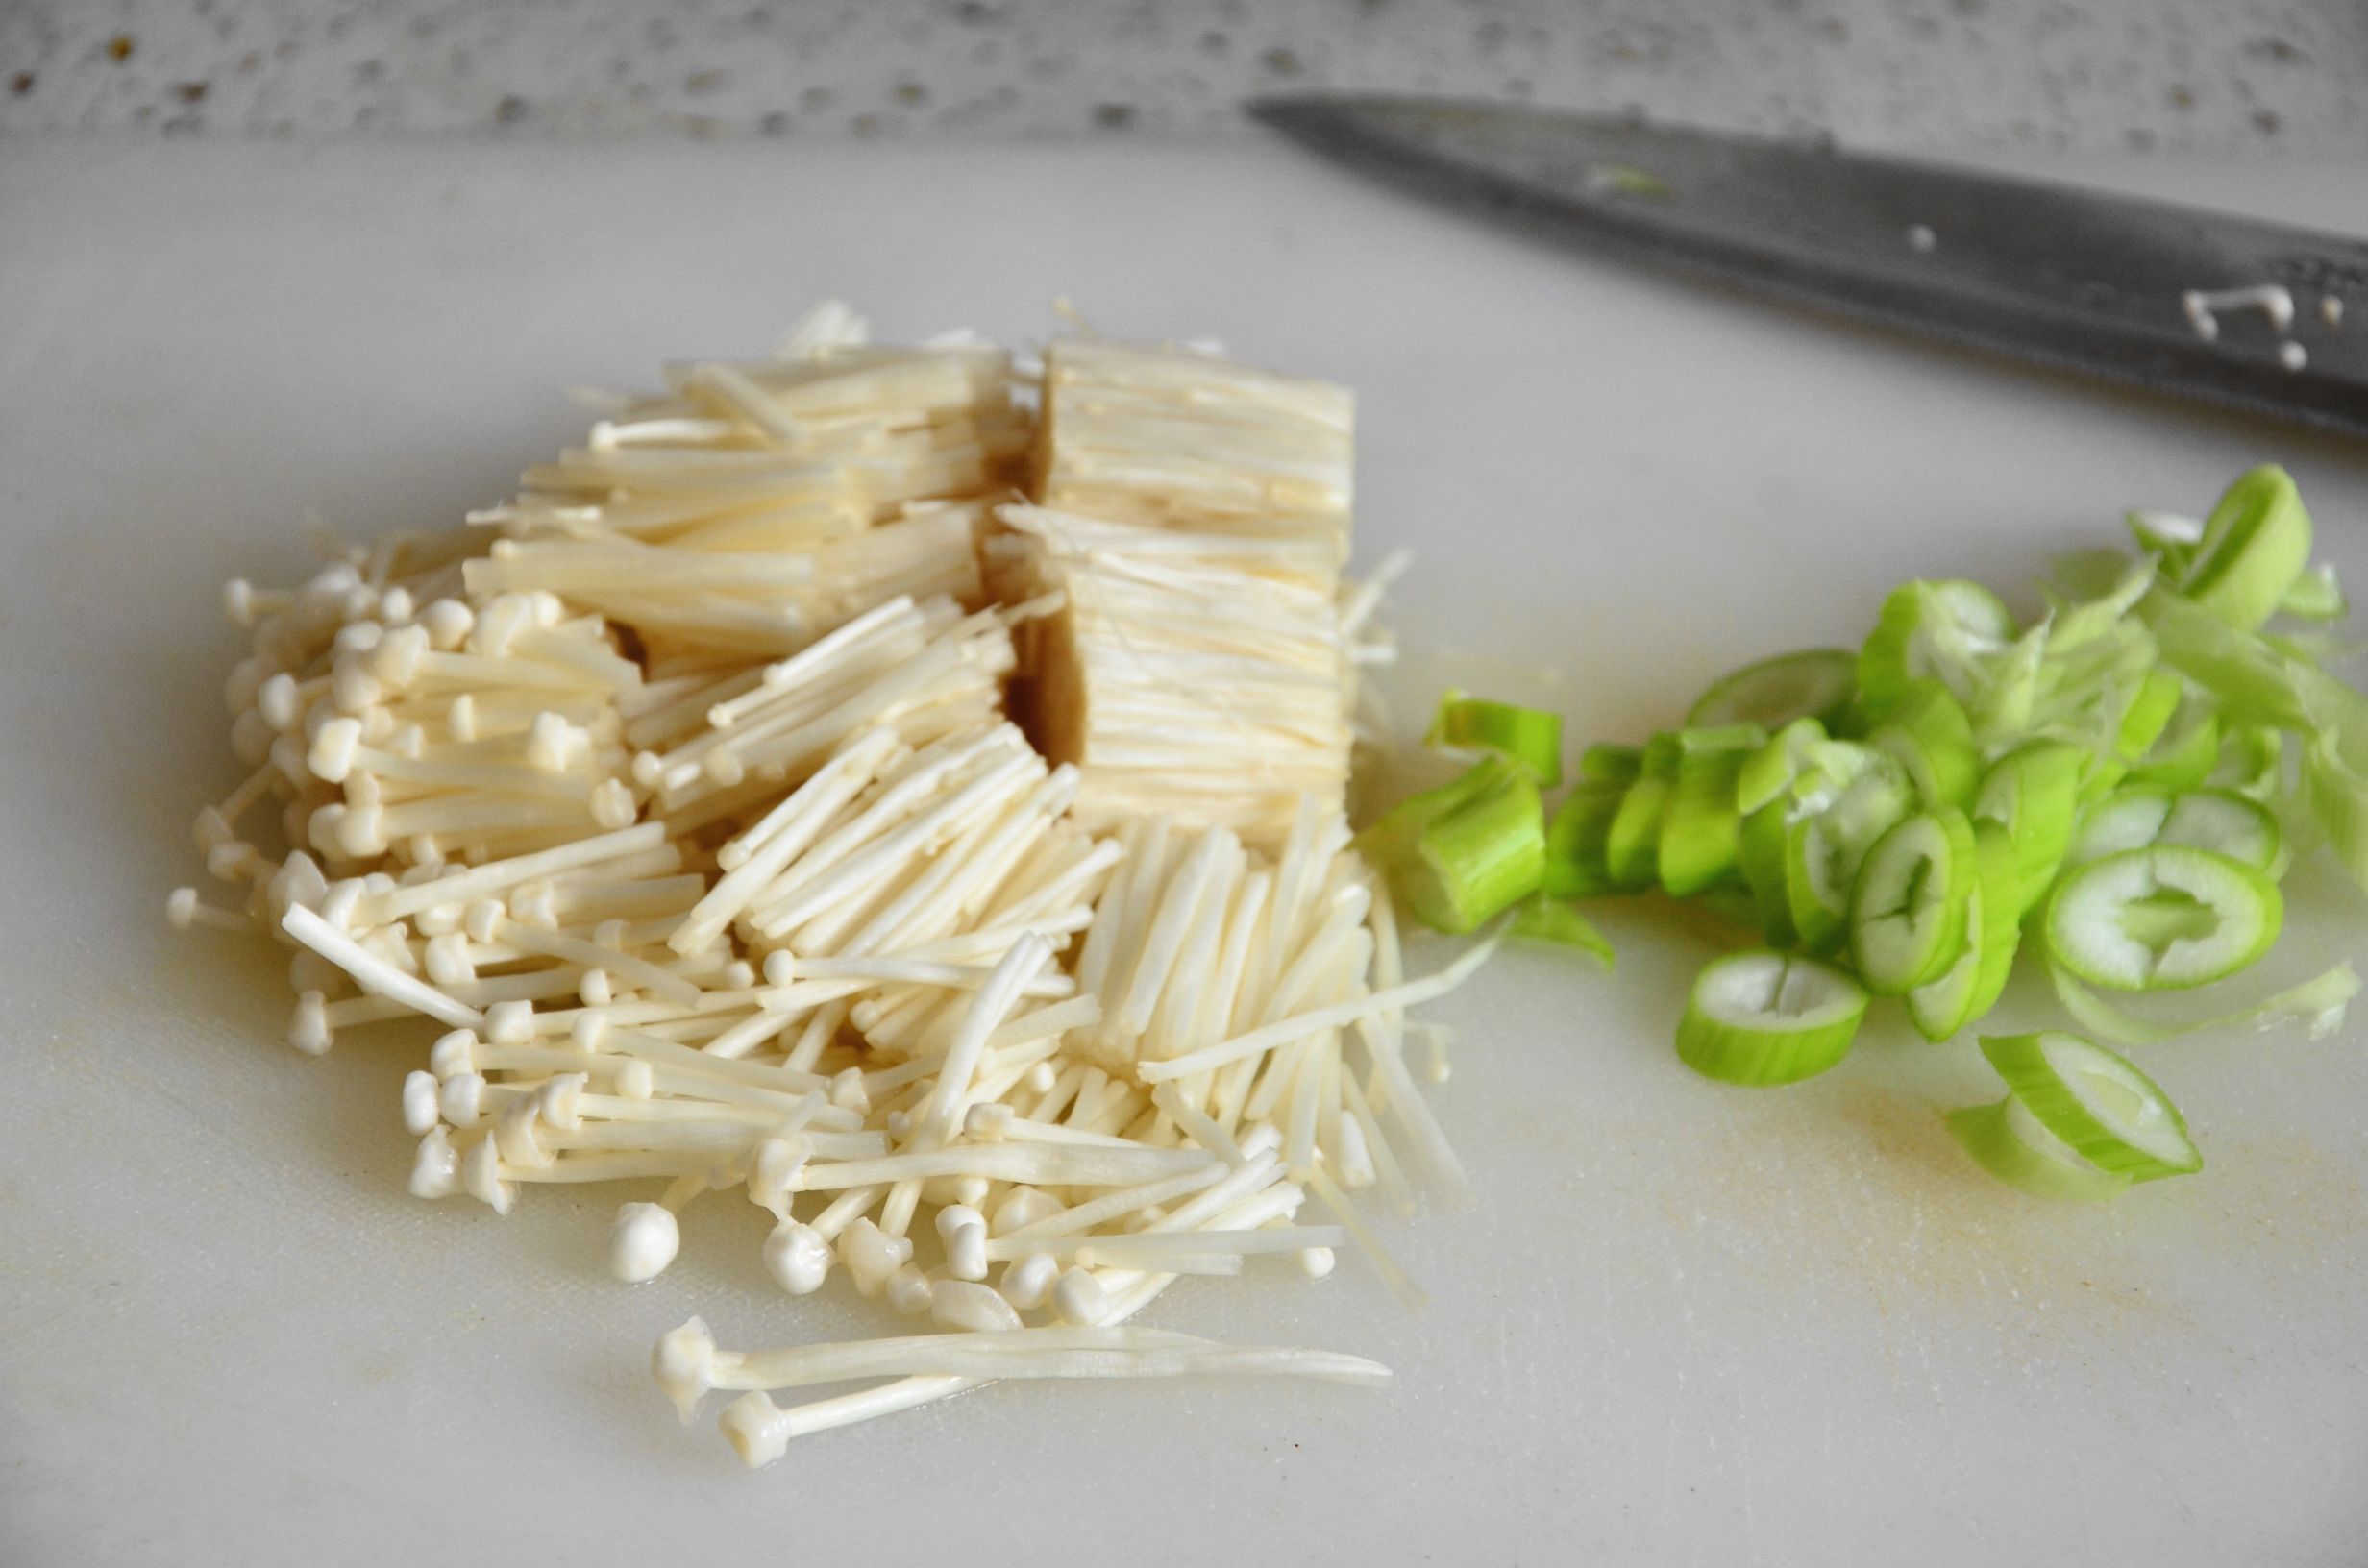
2252	315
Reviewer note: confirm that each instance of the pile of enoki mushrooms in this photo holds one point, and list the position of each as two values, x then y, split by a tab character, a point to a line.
904	784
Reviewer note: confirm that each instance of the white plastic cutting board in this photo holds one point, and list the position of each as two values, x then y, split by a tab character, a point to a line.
1688	1325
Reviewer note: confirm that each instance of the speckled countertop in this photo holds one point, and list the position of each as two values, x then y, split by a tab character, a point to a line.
2070	74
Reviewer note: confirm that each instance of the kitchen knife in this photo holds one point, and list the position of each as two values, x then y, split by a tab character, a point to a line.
2259	316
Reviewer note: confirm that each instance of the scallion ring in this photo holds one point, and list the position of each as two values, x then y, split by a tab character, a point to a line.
2322	1002
1574	842
1944	629
1632	843
2005	1140
1930	735
1551	922
2165	918
1700	826
1607	762
2255	544
1838	808
1816	683
2110	1113
1463	852
1531	737
1908	906
2221	820
2030	792
1969	988
1767	1018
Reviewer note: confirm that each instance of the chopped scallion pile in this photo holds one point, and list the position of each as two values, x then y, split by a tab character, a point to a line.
2110	785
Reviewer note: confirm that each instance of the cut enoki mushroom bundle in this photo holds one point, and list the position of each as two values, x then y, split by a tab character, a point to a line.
687	793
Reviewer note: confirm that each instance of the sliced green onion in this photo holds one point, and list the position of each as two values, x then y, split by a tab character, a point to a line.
2030	792
2008	1142
2110	1113
1608	762
1550	921
2084	693
2171	535
2161	919
2130	719
1907	907
1772	769
2249	676
2320	1002
1632	845
2148	714
2255	544
1529	736
1969	988
1942	629
2252	762
2182	756
1927	732
2338	798
2316	647
1576	866
2317	595
2334	766
1767	1018
1839	806
1759	850
1818	683
1700	827
2081	622
2009	688
2220	821
1463	852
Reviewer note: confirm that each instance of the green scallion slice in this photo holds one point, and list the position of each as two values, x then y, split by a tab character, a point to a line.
2250	679
2165	918
1836	809
1928	731
1461	853
1908	906
1969	988
1771	769
2255	544
1552	922
2080	622
2148	714
1576	866
1769	1017
2008	691
2317	595
1700	828
1607	762
2111	1115
1816	683
2172	536
1531	737
2032	791
2252	762
1759	850
2005	1140
2220	821
2322	1002
2184	754
1942	629
1632	844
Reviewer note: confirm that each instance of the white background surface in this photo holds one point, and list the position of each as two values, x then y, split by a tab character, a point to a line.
1689	1324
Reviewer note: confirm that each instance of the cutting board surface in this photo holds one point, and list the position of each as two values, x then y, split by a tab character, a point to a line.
1687	1324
